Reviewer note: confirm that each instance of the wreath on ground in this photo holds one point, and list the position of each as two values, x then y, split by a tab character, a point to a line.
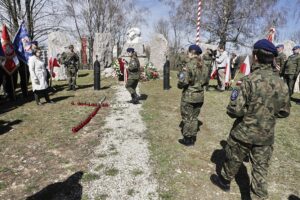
150	71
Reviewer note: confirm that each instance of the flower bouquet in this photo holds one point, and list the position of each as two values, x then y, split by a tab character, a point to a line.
151	71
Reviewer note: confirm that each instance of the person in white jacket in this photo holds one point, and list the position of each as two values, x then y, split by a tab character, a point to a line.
38	74
221	60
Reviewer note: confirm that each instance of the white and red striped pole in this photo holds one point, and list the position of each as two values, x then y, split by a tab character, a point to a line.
198	22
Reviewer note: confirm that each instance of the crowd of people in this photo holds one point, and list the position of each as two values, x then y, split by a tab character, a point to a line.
255	104
38	72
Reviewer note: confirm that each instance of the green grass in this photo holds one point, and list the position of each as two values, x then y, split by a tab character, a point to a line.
43	136
161	112
111	172
137	172
130	192
90	177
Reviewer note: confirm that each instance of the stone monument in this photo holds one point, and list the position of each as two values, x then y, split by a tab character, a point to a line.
58	43
158	51
134	40
103	48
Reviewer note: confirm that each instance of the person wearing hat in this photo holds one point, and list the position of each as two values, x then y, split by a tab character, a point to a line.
133	75
191	80
292	69
279	60
261	97
70	60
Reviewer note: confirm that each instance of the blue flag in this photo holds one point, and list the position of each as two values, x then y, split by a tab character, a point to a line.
22	44
2	55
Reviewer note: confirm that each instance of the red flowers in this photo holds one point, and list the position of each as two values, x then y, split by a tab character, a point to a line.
88	119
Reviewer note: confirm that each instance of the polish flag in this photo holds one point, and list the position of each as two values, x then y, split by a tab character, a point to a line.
11	62
271	34
245	66
214	71
227	72
53	63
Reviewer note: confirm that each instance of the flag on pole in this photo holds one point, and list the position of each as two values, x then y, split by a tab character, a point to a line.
214	70
11	62
245	66
53	62
22	43
271	34
227	72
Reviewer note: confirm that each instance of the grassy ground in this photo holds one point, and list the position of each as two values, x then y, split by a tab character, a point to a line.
183	172
37	147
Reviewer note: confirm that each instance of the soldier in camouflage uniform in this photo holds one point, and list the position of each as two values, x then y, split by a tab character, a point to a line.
256	103
182	58
280	60
70	60
292	69
133	75
207	61
192	78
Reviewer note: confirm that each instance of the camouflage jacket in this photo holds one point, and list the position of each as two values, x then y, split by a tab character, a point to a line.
256	103
207	60
70	60
292	65
134	69
280	61
182	60
195	79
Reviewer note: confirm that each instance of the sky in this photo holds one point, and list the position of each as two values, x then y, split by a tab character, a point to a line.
159	10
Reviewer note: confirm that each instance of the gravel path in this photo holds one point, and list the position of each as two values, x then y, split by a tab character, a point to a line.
121	166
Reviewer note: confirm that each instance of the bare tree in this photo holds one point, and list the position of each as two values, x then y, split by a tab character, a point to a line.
39	15
102	16
162	27
229	21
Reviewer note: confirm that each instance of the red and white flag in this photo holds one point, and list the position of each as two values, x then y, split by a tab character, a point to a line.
214	71
227	72
271	34
11	62
51	64
245	66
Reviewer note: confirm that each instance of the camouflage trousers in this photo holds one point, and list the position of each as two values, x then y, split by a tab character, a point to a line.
71	76
290	79
260	156
131	85
189	113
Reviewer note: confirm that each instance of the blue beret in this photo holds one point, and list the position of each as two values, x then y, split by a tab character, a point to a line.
280	46
296	47
196	48
130	50
266	45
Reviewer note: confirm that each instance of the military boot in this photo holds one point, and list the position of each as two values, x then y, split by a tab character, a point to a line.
136	99
187	141
37	99
219	181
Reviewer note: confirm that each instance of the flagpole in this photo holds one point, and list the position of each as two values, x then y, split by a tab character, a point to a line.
13	87
198	22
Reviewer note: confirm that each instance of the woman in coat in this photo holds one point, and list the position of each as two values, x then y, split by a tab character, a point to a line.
38	74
